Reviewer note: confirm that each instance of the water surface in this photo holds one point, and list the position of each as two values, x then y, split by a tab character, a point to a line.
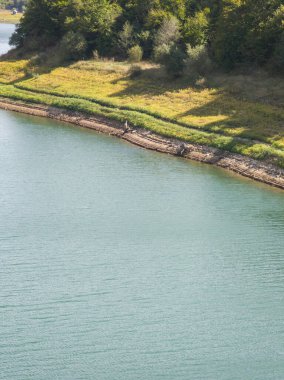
120	263
6	31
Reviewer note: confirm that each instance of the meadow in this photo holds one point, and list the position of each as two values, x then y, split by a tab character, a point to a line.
233	113
7	18
12	71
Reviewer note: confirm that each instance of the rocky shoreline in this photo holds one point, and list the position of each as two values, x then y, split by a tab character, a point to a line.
248	167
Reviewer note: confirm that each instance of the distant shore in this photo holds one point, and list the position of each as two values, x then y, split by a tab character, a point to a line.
6	17
245	166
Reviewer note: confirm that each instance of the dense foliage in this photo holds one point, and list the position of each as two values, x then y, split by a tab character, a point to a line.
234	32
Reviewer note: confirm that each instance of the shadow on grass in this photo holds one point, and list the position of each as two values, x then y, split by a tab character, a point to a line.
153	81
249	123
243	118
252	123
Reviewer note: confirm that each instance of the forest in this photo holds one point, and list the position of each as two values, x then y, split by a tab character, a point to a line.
221	33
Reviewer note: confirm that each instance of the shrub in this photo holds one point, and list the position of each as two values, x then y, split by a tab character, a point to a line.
168	34
175	61
135	54
195	29
198	60
166	50
73	45
96	55
125	38
38	59
161	52
172	57
145	39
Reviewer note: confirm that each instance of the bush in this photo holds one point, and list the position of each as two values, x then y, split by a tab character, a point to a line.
175	61
198	60
195	29
125	38
96	55
168	34
73	45
166	50
135	54
172	57
161	52
38	59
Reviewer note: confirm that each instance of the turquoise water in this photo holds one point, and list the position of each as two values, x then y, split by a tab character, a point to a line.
5	32
121	263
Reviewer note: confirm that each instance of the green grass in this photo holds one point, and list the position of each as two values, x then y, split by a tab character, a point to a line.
206	107
137	119
233	113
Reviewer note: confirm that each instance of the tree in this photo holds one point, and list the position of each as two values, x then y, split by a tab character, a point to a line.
125	38
42	24
247	32
168	32
195	28
233	32
94	16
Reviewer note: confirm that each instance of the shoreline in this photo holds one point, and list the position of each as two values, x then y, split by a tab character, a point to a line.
245	166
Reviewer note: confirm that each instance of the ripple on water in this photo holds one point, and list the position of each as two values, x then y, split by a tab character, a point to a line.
118	263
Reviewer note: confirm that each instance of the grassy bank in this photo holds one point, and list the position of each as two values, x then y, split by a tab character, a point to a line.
216	113
7	18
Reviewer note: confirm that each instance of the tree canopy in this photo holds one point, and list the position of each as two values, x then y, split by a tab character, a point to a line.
235	32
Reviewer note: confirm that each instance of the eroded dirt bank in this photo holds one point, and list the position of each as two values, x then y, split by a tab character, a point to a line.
248	167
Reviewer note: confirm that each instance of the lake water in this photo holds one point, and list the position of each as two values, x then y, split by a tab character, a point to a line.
121	263
6	31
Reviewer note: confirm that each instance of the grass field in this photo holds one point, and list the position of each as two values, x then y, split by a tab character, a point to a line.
234	113
12	71
8	18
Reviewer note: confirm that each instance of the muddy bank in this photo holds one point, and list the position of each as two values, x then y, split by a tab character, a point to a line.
248	167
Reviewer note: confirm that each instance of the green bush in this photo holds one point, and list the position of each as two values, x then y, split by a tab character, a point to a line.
168	33
96	55
166	49
135	54
198	60
125	38
73	45
175	61
195	29
161	52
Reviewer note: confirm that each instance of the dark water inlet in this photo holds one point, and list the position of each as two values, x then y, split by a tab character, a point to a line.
120	263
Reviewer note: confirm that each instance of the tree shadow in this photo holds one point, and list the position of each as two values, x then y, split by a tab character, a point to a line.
241	118
153	82
254	123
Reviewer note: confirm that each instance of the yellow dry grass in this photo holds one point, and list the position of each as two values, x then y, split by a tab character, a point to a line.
11	71
206	107
7	18
232	106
